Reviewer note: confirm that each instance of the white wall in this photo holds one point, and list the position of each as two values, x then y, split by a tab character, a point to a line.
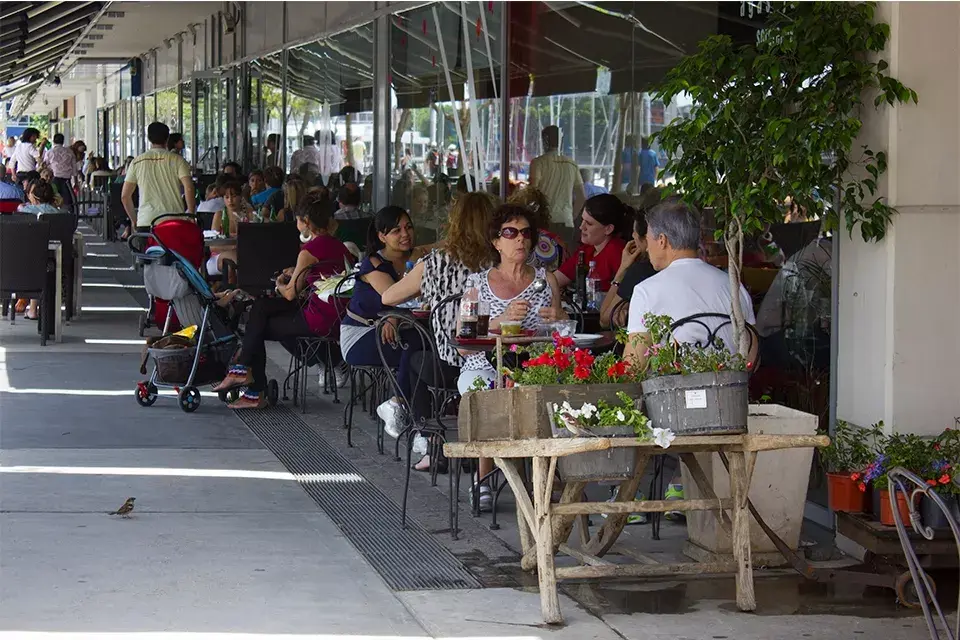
899	356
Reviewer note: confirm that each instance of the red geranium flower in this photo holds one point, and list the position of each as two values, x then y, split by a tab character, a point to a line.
862	487
561	360
581	373
944	479
560	341
854	476
932	483
583	358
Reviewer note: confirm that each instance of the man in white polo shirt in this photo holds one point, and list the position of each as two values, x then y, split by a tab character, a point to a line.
684	285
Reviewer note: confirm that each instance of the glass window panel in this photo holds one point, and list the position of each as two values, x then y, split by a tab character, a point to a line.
331	99
267	144
185	126
438	137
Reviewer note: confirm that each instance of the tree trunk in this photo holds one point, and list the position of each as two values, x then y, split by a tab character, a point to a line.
621	140
348	123
304	122
733	240
402	125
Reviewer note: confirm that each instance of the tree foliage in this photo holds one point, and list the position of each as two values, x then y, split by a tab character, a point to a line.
780	118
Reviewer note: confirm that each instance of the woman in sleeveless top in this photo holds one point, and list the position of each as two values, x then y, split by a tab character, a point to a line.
508	287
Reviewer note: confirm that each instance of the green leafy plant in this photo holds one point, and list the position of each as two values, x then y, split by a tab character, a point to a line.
590	420
780	118
851	448
667	356
562	363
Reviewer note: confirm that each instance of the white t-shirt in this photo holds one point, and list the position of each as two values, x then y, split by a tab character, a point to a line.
26	156
686	287
213	205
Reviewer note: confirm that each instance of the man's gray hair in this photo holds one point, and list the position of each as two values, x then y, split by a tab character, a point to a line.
678	221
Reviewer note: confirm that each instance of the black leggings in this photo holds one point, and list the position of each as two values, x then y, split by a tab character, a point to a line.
270	319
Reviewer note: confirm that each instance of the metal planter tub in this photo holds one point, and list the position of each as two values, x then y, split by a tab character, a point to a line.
713	403
613	464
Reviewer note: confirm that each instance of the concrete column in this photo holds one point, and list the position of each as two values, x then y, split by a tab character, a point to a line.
899	319
87	107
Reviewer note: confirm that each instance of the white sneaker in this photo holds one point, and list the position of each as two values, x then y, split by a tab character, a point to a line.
390	412
420	445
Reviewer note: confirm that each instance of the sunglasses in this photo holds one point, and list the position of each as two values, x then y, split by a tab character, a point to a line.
512	232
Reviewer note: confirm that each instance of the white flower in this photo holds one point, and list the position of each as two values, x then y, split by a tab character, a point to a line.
588	410
663	437
622	418
566	408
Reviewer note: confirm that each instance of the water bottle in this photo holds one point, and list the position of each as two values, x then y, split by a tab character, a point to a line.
413	303
594	295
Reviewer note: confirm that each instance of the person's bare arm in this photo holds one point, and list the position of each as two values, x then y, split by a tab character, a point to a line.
610	302
635	349
555	310
406	289
126	197
189	195
290	289
562	279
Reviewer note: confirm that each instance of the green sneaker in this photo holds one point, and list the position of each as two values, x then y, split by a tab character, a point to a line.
674	492
633	518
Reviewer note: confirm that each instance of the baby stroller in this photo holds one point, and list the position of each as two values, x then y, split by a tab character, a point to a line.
182	234
187	364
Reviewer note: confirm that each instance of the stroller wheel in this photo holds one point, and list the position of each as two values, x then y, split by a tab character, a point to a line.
229	396
143	325
273	392
190	399
146	394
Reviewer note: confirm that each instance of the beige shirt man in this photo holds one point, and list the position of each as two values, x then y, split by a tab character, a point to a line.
558	177
160	175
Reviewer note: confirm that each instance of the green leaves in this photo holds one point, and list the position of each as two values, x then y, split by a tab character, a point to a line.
779	119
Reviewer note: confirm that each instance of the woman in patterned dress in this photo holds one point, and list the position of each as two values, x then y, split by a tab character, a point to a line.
508	288
442	273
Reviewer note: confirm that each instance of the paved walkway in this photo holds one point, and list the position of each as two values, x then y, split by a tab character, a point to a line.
223	539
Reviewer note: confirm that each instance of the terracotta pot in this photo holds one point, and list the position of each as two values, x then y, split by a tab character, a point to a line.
886	514
844	494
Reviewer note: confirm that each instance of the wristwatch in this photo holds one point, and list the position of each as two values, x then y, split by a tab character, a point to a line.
614	282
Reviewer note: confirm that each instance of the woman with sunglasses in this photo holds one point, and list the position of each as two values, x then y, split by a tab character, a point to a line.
508	289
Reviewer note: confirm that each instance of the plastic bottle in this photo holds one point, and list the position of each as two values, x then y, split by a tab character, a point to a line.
594	299
469	310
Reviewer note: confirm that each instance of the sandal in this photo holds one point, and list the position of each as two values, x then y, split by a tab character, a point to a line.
250	400
237	376
424	465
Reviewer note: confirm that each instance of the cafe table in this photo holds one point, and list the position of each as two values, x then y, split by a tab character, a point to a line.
545	526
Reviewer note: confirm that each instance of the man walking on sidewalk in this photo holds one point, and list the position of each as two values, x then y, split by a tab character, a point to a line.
160	175
63	163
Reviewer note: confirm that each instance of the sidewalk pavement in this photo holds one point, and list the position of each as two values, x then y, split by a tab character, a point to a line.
224	543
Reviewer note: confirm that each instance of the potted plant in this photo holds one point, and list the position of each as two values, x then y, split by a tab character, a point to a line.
603	420
551	373
851	449
939	477
693	389
909	451
778	118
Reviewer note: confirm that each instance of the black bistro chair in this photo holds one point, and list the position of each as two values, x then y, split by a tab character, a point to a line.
24	265
412	334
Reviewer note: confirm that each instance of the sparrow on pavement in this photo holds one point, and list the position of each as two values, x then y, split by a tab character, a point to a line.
124	509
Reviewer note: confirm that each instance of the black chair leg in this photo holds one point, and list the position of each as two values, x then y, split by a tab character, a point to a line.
406	481
42	319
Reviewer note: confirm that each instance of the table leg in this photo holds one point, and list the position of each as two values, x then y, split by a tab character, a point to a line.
562	525
739	491
526	518
546	572
58	300
78	273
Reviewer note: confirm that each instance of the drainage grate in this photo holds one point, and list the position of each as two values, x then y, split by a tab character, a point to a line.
407	559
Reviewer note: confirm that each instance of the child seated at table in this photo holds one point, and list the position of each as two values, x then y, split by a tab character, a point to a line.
235	211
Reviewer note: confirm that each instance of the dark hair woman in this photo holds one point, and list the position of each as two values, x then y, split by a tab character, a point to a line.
284	316
605	218
389	249
634	268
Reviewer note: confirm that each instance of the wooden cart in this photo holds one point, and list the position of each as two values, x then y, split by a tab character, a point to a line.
544	526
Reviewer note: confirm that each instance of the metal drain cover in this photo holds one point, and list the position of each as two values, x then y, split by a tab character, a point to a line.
407	559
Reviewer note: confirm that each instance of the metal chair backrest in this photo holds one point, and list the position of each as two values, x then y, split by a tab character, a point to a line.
436	324
23	255
262	251
703	319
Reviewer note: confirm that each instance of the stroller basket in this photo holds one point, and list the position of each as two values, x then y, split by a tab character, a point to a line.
174	364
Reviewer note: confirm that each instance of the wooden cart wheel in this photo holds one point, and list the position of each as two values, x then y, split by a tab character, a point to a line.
907	591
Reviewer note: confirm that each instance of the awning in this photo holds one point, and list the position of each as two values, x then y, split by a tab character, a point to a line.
35	36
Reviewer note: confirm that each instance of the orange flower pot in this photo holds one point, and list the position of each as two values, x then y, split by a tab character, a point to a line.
886	514
845	495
